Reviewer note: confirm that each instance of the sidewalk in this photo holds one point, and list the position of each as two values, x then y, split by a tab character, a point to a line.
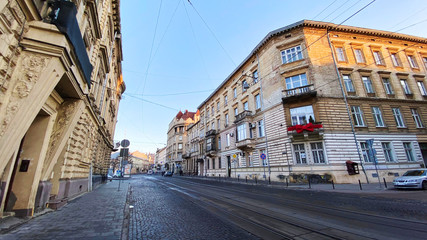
96	215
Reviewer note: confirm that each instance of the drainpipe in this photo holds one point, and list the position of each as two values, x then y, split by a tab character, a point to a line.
346	106
263	118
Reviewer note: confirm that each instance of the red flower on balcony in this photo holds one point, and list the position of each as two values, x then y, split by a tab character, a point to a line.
307	127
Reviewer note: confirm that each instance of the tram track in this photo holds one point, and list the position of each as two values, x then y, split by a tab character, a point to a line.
260	221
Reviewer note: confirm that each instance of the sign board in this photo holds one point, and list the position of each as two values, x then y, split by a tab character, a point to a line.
125	143
263	156
234	156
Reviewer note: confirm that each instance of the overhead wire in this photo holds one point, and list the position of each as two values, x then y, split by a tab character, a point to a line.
324	9
210	30
335	10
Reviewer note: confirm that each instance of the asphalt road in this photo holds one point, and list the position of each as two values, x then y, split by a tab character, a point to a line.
199	209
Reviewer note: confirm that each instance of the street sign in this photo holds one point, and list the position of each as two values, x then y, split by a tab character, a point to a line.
125	143
263	156
234	156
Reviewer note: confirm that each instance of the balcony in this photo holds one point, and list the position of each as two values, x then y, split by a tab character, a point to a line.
211	151
246	144
186	155
211	132
298	94
243	115
313	130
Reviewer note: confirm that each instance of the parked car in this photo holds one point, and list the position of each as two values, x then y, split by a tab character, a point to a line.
168	174
416	178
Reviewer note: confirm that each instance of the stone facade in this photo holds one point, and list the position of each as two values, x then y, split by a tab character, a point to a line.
307	99
59	96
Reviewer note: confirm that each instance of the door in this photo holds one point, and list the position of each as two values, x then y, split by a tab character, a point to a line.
228	166
423	147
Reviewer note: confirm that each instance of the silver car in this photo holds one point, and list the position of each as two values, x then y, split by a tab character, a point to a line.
416	178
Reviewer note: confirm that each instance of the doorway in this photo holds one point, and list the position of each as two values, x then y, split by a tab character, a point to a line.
228	166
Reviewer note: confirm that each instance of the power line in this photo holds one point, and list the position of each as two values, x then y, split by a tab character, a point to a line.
158	104
324	9
335	10
412	25
210	30
171	94
346	10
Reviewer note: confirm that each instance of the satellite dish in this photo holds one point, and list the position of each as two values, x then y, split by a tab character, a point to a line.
125	143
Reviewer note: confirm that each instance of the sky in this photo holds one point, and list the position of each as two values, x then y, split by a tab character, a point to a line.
176	52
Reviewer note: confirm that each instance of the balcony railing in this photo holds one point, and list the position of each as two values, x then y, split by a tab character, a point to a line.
245	144
242	116
299	92
211	132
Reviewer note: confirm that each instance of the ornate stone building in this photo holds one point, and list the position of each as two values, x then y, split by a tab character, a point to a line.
177	138
60	87
314	99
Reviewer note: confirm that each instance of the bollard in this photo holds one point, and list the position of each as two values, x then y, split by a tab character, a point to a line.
238	178
269	182
219	178
309	182
246	179
256	182
360	185
287	183
333	185
385	183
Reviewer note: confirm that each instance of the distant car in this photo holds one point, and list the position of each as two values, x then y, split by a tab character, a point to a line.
168	174
416	178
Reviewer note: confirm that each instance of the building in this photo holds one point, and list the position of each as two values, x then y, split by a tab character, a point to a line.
160	159
314	100
177	137
61	84
140	163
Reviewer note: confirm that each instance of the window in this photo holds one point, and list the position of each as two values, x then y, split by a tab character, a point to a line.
245	86
417	118
388	152
257	101
359	56
357	114
299	152
217	106
208	163
255	76
348	83
219	163
180	138
368	84
340	54
302	115
261	132
412	62
234	92
378	117
180	146
425	62
225	100
213	163
207	113
213	126
264	161
405	86
378	58
236	111
241	132
209	145
317	152
422	88
398	117
246	106
213	111
218	124
226	119
395	59
291	54
227	139
296	81
219	143
408	151
365	152
387	86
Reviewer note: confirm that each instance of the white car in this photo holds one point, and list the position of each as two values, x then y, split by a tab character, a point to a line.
416	178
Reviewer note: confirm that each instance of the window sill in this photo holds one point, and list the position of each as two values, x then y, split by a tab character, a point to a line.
351	93
391	95
371	94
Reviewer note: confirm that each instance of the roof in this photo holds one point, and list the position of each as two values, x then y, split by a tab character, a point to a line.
139	155
315	24
185	115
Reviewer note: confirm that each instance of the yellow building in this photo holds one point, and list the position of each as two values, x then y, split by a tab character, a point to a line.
307	101
60	87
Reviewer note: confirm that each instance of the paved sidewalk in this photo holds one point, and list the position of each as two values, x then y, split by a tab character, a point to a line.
95	215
